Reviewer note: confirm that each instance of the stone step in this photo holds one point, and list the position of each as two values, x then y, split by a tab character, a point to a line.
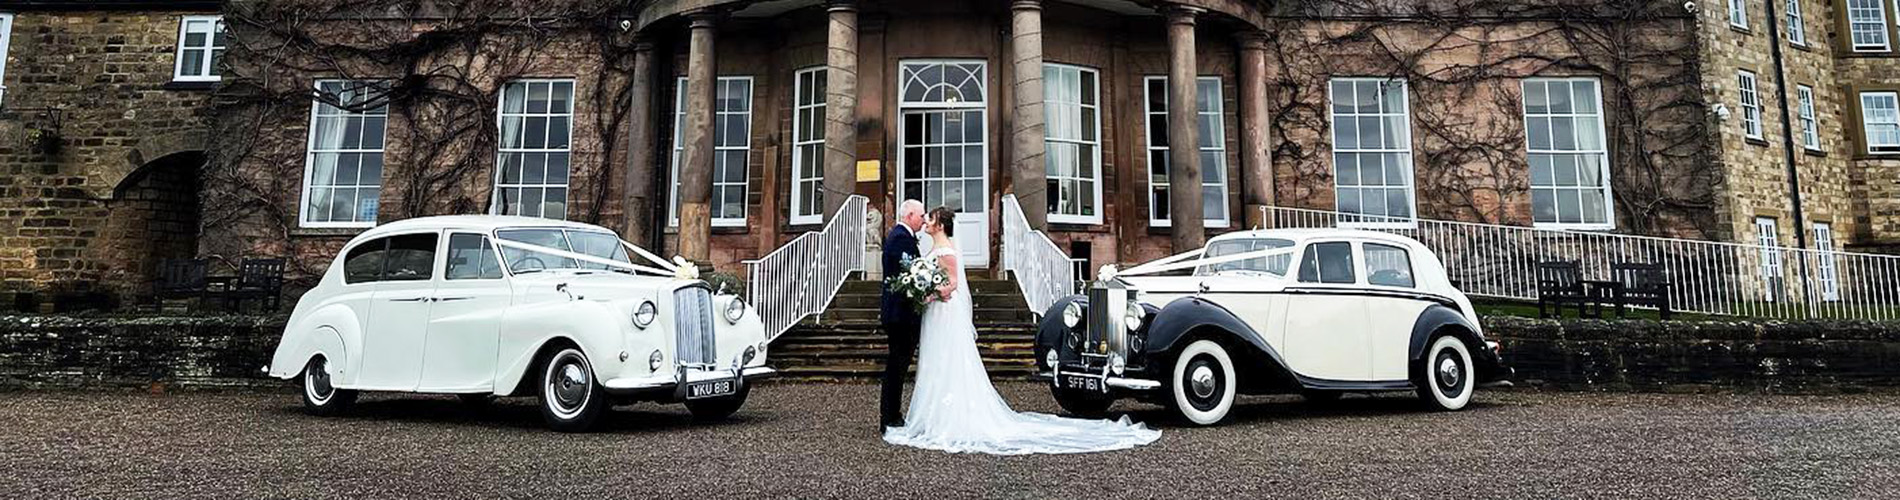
982	301
977	286
983	315
875	370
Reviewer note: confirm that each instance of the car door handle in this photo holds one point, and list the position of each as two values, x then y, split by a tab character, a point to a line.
447	299
411	299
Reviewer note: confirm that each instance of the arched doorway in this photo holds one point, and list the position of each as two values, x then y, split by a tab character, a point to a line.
154	216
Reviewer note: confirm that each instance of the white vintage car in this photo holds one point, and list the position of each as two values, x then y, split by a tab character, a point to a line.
1318	312
486	306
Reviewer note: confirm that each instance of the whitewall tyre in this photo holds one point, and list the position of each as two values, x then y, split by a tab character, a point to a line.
1447	379
570	399
320	395
1203	383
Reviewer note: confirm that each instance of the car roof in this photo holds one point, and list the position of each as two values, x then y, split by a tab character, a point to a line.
481	223
1300	234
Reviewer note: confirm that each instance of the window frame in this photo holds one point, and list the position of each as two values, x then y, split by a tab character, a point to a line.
211	46
1772	269
1353	266
1847	30
1094	177
1147	116
1866	132
815	182
1738	14
1602	154
679	150
495	206
1797	23
6	44
310	158
1406	154
1810	123
1748	86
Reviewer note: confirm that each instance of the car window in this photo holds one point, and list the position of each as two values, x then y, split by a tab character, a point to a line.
471	257
1275	265
1387	265
1329	262
596	243
411	257
364	263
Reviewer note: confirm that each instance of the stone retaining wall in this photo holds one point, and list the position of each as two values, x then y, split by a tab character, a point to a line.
1796	357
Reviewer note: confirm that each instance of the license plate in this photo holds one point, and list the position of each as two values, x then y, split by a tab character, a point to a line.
1082	382
710	389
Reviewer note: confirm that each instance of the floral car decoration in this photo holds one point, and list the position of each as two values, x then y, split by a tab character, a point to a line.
1317	312
490	306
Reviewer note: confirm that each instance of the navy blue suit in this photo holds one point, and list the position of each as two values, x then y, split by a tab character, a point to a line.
900	322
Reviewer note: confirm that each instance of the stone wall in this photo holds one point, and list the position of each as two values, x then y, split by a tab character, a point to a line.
98	85
1633	355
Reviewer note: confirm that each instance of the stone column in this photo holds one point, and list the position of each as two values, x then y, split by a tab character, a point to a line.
1184	158
1028	173
695	205
641	146
1256	155
841	105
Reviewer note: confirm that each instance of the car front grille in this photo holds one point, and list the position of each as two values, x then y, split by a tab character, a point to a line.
1104	334
693	337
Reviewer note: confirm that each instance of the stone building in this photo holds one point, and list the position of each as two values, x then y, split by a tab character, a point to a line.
104	107
757	117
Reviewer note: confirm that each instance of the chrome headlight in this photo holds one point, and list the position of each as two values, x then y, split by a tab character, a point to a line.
1132	318
1116	364
1050	358
735	310
644	315
1072	315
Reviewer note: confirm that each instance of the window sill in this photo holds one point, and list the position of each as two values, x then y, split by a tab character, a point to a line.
1758	141
1853	53
192	85
327	232
1801	46
1814	152
1593	228
1740	29
731	230
1077	227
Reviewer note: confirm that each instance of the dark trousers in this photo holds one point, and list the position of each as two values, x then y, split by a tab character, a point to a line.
902	340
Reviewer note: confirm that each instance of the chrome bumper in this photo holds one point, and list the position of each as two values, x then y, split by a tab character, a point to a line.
665	382
1133	384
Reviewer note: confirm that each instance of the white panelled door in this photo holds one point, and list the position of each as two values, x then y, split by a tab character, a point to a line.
943	135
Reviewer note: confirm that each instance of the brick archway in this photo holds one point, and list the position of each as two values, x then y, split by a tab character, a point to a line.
154	216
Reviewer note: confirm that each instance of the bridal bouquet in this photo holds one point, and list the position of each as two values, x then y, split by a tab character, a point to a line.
919	282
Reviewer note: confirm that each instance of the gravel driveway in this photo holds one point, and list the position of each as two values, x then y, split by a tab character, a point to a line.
817	441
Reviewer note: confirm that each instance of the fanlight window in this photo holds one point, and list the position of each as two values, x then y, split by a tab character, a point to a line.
942	82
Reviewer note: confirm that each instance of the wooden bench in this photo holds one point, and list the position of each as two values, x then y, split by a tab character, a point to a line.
180	279
261	279
1560	283
1640	284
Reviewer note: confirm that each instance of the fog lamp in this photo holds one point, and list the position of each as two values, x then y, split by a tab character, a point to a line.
1116	364
653	361
1050	358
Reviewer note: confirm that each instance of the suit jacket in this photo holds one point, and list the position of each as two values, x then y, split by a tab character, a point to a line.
894	310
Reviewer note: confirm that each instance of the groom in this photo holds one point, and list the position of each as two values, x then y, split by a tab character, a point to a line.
899	318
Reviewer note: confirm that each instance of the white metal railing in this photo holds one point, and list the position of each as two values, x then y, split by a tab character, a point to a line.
1707	277
800	278
1042	270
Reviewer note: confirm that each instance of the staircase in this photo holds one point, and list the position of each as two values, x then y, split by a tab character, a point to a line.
845	342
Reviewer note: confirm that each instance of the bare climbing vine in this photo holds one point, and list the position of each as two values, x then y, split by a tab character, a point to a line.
1463	61
443	65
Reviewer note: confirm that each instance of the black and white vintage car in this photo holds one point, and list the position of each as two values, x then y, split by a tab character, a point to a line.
1319	312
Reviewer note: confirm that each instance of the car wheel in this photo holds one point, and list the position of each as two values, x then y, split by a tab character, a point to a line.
570	400
1446	380
1083	404
714	409
1203	383
320	397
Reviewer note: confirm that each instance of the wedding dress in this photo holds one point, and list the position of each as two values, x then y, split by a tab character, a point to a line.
954	407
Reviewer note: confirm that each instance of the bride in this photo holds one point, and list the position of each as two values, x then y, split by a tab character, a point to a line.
954	408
